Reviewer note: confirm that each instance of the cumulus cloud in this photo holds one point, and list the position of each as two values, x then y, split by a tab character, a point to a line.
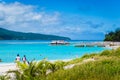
20	17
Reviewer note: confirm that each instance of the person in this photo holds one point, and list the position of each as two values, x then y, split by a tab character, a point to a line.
24	59
17	58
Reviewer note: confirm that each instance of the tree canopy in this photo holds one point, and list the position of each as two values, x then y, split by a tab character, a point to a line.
113	36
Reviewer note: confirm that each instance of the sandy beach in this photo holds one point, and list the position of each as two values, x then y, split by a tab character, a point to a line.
4	67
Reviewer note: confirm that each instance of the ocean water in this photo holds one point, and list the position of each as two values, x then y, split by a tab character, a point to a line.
39	50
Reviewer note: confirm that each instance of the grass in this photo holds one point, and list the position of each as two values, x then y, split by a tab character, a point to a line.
4	77
105	67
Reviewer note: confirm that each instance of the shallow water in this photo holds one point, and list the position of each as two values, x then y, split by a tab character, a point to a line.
39	50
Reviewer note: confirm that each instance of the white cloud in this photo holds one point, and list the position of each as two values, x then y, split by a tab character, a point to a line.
20	17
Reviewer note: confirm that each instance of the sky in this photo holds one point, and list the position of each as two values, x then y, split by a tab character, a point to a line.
77	19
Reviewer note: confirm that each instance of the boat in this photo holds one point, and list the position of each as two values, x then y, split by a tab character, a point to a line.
59	42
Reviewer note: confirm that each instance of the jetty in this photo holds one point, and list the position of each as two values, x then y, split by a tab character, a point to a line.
97	44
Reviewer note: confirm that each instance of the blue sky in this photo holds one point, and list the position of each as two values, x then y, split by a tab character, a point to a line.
77	19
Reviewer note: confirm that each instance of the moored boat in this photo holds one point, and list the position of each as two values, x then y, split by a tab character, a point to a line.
59	42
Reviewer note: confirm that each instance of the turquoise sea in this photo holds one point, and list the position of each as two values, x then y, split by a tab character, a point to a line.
39	50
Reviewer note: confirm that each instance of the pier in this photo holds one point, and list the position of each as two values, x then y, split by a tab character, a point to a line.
97	44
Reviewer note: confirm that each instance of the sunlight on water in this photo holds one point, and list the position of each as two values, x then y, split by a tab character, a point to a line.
39	50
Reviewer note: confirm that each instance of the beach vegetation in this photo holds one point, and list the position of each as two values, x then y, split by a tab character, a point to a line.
105	69
106	53
113	36
86	56
4	77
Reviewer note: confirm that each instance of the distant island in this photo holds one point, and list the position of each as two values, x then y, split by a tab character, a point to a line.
113	36
14	35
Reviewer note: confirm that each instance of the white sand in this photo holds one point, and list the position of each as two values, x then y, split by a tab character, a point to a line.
4	67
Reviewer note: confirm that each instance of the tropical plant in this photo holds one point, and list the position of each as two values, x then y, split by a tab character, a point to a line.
85	56
4	77
106	53
33	71
56	65
105	69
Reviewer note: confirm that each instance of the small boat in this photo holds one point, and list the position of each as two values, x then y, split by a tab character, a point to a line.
59	42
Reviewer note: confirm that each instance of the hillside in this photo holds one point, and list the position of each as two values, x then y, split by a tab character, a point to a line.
13	35
113	36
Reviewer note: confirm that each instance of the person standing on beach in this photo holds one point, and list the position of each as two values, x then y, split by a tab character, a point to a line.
24	59
17	58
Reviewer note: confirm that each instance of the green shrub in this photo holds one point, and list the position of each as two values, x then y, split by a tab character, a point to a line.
99	70
106	53
4	77
117	52
89	55
76	60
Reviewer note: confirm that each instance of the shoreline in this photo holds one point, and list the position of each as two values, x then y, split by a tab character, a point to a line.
65	60
4	67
